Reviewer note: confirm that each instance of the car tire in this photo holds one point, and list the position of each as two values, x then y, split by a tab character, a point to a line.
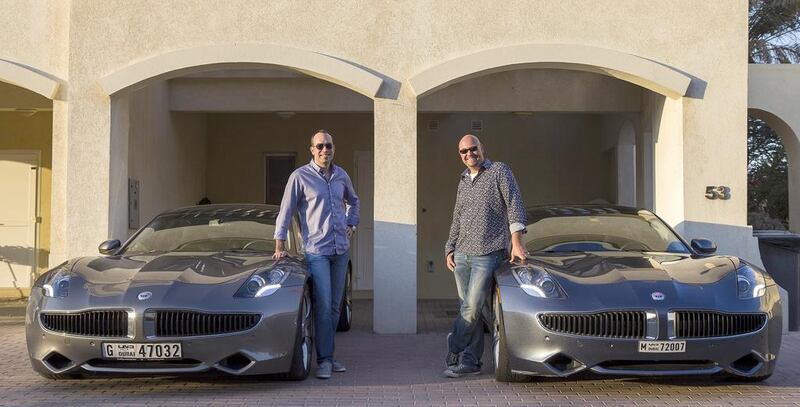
304	343
346	309
502	368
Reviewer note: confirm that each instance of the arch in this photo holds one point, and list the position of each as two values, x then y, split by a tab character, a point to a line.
637	70
28	78
791	144
183	61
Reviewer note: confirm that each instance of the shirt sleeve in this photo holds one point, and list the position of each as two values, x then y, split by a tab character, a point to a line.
351	203
513	199
291	194
450	246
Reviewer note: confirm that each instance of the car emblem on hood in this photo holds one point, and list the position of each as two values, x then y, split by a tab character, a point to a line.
657	296
145	295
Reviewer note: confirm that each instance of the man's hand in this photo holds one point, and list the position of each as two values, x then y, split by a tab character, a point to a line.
279	250
450	259
517	249
350	231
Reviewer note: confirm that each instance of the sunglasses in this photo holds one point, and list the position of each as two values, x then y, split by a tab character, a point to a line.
320	146
473	149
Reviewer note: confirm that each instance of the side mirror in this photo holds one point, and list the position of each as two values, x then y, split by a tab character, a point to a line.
109	246
704	246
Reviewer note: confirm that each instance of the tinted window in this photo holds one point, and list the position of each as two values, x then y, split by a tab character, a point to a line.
207	230
599	230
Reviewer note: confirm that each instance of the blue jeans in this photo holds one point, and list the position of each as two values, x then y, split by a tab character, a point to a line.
328	274
474	279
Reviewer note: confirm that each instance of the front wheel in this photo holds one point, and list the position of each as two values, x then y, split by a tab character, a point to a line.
502	368
301	359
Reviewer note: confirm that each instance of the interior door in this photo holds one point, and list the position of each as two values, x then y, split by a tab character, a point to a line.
364	183
18	218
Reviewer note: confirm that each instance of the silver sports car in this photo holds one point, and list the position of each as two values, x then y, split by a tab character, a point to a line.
194	290
614	290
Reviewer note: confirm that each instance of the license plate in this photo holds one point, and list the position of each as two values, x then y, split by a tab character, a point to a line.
142	351
662	346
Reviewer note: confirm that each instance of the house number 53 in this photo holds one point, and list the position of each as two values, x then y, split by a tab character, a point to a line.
718	192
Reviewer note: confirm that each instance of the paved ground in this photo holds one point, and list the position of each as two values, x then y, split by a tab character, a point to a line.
385	370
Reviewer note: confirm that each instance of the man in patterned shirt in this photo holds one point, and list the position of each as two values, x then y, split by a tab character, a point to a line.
488	212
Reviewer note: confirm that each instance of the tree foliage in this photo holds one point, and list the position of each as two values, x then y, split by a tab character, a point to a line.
774	28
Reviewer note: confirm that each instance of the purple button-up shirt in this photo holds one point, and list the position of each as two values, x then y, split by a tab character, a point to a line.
326	208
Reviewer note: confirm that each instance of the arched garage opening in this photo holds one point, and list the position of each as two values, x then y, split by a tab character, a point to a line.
576	124
229	124
26	174
771	126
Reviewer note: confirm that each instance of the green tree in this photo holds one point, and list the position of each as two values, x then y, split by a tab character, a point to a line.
774	28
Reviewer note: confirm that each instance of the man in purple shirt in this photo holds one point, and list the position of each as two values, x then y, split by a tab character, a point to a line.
323	195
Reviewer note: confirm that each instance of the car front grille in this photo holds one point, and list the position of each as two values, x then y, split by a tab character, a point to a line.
711	324
609	324
102	323
194	323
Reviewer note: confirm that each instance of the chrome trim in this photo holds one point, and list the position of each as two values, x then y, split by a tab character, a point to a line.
131	322
636	372
652	325
671	325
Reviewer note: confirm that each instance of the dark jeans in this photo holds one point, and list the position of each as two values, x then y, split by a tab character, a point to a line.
328	274
474	278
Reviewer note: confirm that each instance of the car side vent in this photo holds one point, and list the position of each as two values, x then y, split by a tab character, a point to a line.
711	324
609	324
476	125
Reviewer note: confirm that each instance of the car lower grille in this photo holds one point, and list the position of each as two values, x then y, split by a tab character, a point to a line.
193	323
710	324
104	323
611	324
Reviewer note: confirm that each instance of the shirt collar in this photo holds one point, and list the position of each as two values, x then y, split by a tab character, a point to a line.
318	169
486	164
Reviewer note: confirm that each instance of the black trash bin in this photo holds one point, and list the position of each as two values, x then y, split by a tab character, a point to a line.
780	252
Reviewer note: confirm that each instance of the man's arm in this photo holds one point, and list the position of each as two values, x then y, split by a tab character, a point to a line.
352	203
452	238
517	218
288	206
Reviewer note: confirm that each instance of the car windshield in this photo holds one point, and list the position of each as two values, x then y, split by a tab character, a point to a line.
559	230
207	230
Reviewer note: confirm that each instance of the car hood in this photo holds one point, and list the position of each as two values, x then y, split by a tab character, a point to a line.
169	277
608	280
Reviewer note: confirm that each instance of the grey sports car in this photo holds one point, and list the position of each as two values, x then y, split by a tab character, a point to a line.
194	290
614	290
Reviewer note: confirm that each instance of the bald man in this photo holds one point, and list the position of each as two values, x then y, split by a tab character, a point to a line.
489	212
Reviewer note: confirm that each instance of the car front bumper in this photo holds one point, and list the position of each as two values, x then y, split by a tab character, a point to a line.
534	350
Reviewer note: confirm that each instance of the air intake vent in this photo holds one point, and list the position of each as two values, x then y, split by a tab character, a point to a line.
710	324
613	324
105	323
476	125
193	323
433	125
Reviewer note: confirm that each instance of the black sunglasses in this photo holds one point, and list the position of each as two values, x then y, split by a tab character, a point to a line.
319	146
473	149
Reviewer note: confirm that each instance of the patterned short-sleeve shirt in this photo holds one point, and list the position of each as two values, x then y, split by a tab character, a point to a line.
485	207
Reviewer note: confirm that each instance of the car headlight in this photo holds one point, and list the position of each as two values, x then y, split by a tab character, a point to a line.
536	282
263	283
58	286
749	283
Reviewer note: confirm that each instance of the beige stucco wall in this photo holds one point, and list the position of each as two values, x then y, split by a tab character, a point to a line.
166	153
34	134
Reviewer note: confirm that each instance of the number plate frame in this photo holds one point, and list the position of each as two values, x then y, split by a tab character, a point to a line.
142	350
662	346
